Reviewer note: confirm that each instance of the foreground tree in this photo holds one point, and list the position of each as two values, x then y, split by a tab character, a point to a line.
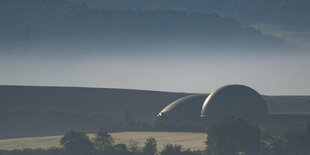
103	141
297	141
120	149
134	147
150	146
232	136
77	143
170	149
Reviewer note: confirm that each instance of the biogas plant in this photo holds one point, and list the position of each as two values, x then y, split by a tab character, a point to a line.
229	101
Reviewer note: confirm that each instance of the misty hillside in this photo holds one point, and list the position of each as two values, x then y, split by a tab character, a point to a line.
144	104
290	13
41	111
288	104
38	111
53	25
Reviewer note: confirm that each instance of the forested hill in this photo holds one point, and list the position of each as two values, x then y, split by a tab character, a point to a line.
57	24
291	13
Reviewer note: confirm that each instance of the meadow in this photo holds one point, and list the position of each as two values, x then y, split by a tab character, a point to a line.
189	140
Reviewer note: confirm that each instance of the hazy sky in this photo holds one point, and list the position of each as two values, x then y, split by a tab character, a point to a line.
60	47
278	74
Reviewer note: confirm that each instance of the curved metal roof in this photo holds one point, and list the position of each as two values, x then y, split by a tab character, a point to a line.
234	100
185	110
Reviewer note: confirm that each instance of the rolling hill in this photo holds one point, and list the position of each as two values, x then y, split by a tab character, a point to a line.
40	111
28	111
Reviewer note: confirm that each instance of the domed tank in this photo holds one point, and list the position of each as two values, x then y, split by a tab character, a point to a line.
234	100
185	110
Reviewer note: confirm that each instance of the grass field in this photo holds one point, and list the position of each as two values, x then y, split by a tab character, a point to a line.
194	141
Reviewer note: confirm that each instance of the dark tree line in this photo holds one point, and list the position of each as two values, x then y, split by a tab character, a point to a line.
234	136
78	143
229	136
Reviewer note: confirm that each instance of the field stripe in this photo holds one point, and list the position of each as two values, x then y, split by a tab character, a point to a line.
194	141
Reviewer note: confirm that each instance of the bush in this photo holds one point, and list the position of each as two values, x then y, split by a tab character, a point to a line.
103	141
232	136
27	151
120	149
150	146
292	142
170	149
134	147
77	143
297	142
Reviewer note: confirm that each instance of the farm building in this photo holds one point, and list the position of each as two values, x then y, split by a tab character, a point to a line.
185	110
233	100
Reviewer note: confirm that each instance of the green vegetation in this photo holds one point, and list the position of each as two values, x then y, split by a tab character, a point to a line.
79	143
150	146
194	141
294	141
76	143
229	136
170	149
103	141
233	136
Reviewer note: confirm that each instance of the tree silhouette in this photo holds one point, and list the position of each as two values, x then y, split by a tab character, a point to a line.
231	136
170	149
103	141
150	146
77	143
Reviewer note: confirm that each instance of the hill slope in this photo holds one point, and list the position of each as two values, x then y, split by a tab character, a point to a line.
40	111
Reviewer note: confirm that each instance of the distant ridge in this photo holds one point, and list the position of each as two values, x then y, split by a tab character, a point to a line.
41	110
93	87
94	98
27	111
